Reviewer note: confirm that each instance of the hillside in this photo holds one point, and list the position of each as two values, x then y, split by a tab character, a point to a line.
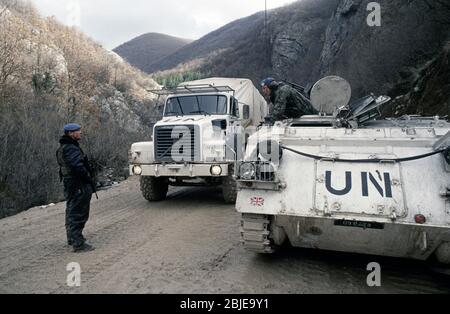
146	51
407	57
50	75
224	38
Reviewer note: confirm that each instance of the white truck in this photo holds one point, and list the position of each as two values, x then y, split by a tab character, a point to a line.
200	137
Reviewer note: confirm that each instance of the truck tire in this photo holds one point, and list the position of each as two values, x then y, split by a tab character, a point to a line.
443	253
229	189
154	189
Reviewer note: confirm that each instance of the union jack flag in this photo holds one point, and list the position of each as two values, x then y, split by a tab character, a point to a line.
257	201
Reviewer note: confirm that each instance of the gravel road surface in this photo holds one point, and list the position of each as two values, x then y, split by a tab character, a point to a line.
187	244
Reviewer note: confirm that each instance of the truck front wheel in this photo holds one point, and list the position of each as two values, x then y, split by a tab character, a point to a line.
443	253
229	189
154	189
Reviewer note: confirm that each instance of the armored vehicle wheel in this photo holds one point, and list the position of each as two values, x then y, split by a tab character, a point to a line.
229	189
256	235
154	189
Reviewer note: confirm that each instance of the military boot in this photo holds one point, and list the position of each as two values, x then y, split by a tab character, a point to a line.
83	248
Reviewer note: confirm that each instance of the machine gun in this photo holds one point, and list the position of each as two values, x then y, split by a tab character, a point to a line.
92	169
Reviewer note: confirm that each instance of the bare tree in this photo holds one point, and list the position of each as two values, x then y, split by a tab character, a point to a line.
46	71
12	36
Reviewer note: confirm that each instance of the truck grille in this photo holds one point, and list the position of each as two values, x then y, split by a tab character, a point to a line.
186	138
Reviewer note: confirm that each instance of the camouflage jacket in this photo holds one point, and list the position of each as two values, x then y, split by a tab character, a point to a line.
288	104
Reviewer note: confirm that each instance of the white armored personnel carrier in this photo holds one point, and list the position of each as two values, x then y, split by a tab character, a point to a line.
345	181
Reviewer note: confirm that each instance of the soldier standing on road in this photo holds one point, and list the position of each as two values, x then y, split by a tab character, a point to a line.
78	186
287	102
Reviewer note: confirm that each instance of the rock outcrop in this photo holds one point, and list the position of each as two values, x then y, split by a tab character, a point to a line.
404	57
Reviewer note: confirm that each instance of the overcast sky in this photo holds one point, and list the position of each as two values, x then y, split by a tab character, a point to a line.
113	22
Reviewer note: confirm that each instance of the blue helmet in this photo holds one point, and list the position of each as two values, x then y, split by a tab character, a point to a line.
267	81
72	127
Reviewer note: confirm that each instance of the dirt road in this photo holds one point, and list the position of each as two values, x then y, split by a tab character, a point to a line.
188	244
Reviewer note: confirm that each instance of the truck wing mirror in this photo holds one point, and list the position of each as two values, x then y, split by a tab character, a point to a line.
246	113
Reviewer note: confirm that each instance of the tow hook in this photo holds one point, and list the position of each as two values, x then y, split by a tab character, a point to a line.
394	214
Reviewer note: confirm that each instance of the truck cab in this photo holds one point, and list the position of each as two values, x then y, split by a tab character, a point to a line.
199	138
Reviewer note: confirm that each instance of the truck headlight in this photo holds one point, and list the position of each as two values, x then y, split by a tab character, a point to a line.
137	170
247	171
216	170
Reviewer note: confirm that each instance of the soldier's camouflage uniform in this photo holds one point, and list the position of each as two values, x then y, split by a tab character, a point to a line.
75	173
288	104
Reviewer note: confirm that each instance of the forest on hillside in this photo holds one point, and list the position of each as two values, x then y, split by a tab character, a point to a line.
51	75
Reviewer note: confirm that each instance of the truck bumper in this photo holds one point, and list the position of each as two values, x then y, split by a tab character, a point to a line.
181	170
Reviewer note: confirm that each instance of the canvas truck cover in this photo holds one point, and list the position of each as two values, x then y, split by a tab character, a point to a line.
245	92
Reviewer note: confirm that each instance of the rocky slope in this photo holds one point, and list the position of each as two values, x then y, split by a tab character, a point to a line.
406	57
402	58
51	75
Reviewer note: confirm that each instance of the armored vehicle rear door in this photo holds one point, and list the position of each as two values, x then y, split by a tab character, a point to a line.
359	189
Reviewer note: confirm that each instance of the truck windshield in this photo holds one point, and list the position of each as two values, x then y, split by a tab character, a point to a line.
196	105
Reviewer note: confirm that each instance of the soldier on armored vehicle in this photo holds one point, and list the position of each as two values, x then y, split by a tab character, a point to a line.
288	103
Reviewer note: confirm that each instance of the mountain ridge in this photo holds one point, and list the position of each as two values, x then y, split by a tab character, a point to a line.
146	50
310	39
